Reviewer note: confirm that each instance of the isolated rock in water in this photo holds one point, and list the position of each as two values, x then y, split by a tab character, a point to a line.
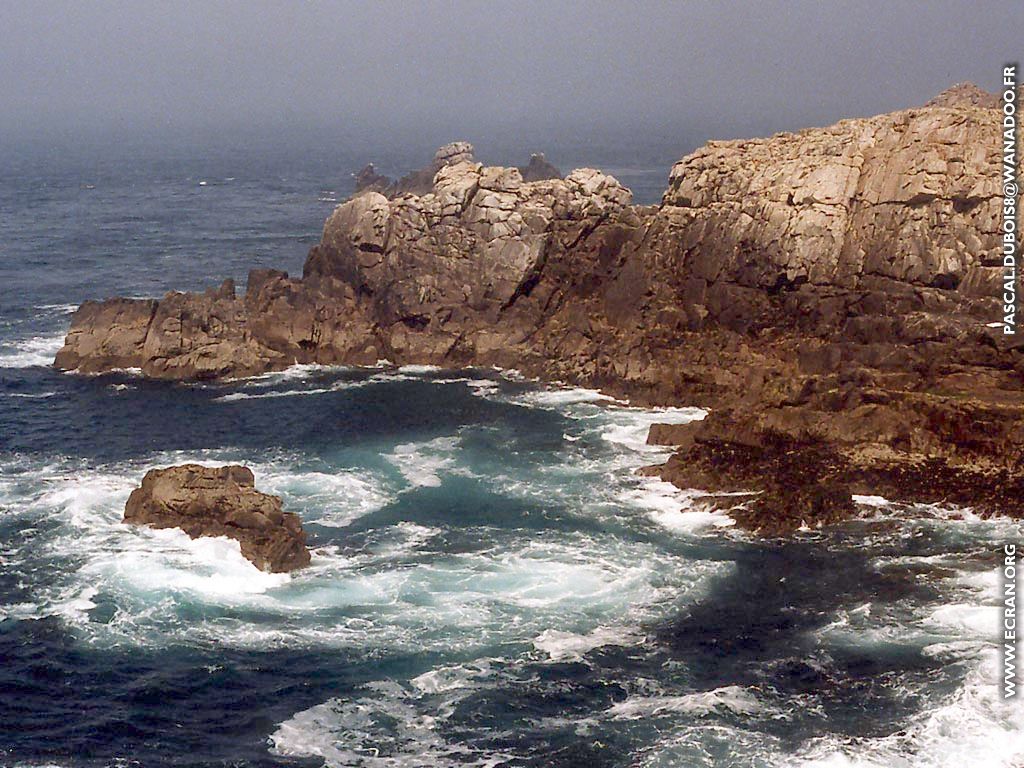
221	501
539	169
368	179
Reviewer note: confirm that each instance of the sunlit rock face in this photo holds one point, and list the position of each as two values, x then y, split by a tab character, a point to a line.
911	196
221	501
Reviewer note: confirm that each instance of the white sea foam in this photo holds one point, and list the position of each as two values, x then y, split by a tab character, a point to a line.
966	619
971	727
33	352
395	589
483	387
212	569
418	369
422	464
385	726
331	499
871	501
680	511
337	386
453	677
507	592
296	372
571	646
57	309
558	398
731	699
236	396
631	425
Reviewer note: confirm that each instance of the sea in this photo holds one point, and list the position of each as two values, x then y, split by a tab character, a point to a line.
492	582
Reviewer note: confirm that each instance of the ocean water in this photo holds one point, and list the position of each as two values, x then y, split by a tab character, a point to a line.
491	584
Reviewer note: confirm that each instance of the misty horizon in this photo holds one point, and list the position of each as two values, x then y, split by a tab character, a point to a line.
506	78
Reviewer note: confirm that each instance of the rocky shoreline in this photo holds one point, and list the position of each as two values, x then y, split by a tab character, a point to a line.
830	294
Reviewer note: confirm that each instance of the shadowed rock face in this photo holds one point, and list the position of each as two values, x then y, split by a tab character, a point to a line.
539	169
221	501
828	293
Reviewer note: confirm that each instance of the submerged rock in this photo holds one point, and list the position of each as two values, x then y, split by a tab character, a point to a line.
221	501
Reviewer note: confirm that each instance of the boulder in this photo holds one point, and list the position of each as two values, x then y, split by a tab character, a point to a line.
221	501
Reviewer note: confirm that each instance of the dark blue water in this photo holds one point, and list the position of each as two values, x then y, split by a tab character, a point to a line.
491	583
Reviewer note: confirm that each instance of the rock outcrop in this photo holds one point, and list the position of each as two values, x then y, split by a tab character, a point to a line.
539	169
421	182
911	197
832	294
965	95
221	501
368	180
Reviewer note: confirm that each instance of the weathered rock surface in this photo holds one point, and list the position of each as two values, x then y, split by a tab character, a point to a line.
421	182
965	95
221	501
829	293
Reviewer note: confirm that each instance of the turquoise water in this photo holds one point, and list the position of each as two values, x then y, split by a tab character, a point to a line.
491	584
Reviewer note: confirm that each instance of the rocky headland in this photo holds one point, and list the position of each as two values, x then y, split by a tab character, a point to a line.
221	501
831	295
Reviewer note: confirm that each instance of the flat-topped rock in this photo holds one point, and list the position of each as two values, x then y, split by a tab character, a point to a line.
221	501
911	196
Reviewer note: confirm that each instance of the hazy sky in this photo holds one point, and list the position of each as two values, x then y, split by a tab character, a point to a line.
715	68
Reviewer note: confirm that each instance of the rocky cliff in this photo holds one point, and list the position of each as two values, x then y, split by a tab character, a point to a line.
829	293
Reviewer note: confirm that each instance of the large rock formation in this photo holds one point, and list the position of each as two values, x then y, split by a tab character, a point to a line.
221	501
832	294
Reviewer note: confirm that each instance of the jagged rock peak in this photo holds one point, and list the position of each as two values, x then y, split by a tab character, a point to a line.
368	179
964	95
539	169
421	182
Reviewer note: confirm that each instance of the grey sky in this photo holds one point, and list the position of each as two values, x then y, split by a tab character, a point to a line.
720	69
